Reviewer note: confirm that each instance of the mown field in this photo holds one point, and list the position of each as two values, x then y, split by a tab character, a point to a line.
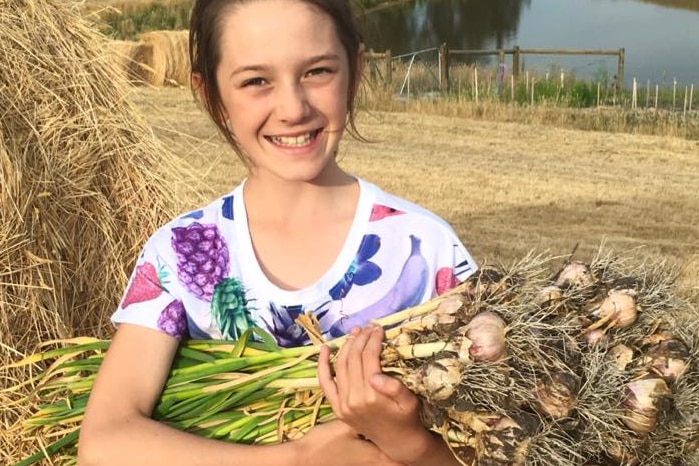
507	188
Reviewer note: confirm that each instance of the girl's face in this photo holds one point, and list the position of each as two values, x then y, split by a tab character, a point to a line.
284	83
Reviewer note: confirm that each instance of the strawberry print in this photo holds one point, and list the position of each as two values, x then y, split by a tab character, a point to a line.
381	211
145	285
445	280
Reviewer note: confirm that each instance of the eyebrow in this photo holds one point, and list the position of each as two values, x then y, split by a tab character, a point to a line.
309	62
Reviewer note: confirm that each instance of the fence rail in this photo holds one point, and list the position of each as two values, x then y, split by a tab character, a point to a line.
419	77
445	53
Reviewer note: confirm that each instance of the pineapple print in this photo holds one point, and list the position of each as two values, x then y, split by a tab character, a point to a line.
229	308
202	258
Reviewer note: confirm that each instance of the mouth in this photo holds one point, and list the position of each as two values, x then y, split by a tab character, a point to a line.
300	140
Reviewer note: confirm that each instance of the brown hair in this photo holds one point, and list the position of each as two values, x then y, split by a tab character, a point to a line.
205	54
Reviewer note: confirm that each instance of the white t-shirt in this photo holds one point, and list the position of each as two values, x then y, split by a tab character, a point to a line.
198	275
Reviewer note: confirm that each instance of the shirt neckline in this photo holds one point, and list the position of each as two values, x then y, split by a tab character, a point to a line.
256	279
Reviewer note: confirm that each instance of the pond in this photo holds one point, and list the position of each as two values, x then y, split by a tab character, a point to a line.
660	38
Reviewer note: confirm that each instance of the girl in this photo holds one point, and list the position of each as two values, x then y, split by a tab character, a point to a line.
279	78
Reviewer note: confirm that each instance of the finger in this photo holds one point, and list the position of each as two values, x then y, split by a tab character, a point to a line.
395	390
341	363
355	361
341	359
325	377
372	352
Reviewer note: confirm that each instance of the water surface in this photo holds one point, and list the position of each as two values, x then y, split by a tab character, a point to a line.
661	42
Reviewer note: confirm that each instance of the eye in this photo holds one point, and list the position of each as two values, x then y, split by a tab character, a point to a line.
319	71
252	82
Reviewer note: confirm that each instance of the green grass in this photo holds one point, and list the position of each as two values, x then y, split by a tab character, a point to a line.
128	21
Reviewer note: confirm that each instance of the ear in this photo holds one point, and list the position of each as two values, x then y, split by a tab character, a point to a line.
198	87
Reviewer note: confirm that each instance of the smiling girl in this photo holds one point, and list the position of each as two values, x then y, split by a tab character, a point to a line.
278	78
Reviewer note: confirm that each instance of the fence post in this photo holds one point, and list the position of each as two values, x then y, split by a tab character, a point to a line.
620	71
500	78
443	51
389	69
371	63
515	61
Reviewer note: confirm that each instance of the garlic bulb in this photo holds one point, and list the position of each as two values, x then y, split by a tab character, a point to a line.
445	318
621	356
575	274
487	334
617	310
508	441
622	456
557	397
643	400
548	295
669	359
596	338
437	380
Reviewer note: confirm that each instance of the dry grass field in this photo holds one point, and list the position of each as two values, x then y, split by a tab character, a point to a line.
507	188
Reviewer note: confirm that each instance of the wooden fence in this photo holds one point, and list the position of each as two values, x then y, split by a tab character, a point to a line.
445	55
426	73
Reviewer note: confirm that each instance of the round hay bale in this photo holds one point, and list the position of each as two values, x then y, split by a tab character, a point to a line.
134	60
83	183
170	57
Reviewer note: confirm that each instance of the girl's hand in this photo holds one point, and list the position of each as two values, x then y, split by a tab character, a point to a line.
378	407
338	444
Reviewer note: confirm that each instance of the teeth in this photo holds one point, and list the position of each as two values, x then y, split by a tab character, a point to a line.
296	141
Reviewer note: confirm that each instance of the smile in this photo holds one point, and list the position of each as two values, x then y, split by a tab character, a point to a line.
294	141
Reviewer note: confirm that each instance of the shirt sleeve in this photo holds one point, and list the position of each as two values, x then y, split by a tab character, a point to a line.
457	266
148	300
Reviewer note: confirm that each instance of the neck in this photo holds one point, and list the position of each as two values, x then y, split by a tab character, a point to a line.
288	202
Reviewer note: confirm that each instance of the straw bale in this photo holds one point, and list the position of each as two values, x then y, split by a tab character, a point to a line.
83	182
135	61
170	57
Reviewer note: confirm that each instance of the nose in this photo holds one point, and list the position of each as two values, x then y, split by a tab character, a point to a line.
292	103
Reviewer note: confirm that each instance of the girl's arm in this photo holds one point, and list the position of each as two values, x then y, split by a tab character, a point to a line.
118	430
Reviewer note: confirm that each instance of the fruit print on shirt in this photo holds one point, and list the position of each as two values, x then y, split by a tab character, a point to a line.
227	208
202	258
229	308
145	285
407	291
379	212
173	320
